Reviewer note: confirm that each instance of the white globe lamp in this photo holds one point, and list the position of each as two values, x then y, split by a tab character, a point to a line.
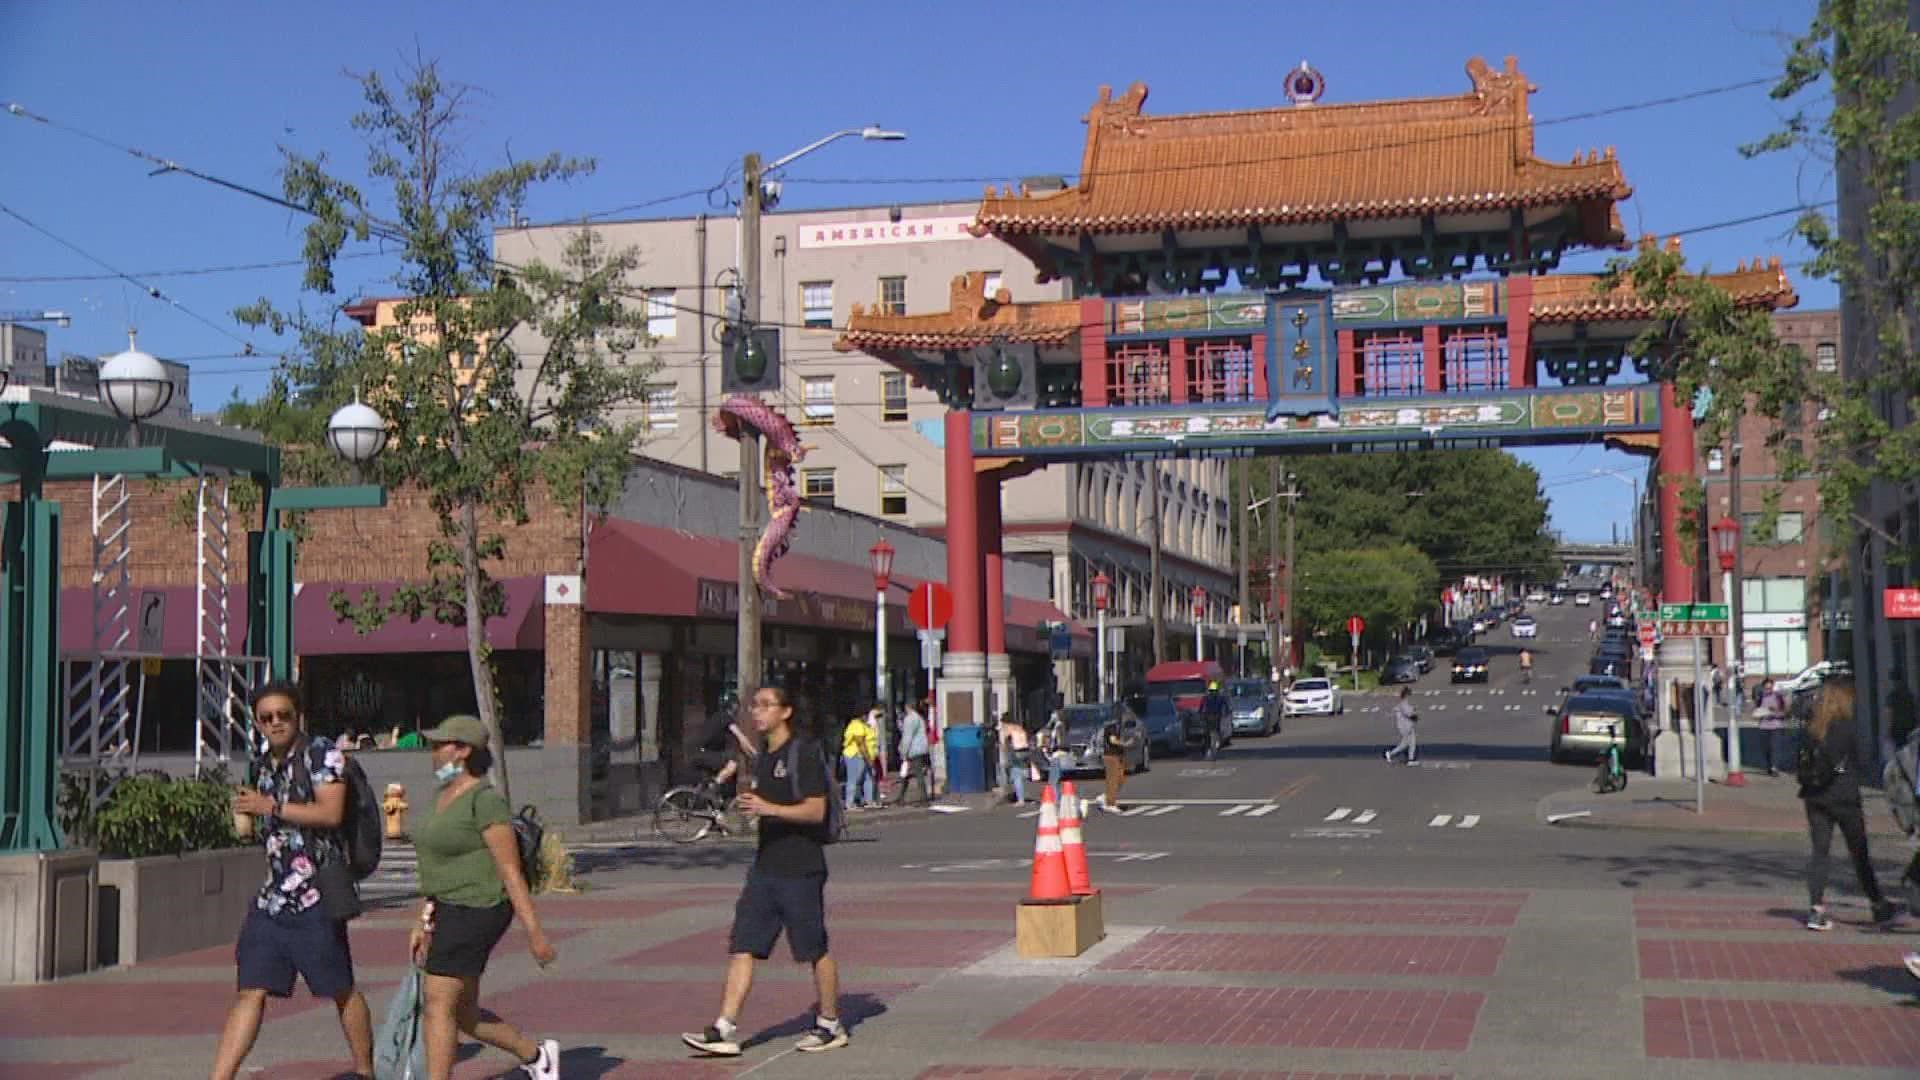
135	385
357	433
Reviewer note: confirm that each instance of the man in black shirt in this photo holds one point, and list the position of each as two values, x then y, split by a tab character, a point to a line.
786	889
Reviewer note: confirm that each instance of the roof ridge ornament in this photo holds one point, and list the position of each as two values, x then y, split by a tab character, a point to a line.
1305	85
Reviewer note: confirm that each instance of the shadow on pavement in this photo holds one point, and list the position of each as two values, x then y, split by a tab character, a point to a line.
706	856
855	1009
1693	866
1890	978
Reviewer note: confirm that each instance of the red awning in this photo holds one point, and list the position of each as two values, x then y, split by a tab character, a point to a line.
317	631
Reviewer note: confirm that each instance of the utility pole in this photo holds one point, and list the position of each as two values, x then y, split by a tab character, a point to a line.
1737	637
1243	495
747	648
1291	634
1273	571
1156	587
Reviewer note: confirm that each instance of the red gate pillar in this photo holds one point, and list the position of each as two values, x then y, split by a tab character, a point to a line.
962	690
1676	466
999	664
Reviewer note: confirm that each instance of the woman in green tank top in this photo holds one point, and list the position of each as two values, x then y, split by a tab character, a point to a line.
470	876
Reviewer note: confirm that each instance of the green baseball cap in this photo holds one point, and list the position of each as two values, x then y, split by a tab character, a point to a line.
460	729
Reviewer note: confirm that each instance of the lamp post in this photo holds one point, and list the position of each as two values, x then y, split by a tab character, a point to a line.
357	434
1633	530
1726	544
1102	591
757	195
135	386
1199	623
880	557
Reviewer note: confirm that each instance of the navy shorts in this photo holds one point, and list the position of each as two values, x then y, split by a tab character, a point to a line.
274	948
771	904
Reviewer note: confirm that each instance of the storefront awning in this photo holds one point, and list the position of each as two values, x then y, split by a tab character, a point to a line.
317	631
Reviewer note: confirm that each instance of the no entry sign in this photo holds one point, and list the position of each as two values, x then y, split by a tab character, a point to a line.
1356	626
930	607
1649	634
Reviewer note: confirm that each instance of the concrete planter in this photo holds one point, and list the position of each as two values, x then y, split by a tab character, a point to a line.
168	904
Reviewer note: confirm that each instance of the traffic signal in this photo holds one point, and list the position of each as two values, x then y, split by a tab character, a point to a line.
1005	376
750	359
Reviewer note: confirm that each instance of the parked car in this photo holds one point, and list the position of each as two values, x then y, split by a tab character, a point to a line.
1254	706
1422	655
1470	665
1164	730
1581	725
1814	676
1316	696
1084	723
1584	683
1401	669
1536	597
1525	627
1582	600
1556	599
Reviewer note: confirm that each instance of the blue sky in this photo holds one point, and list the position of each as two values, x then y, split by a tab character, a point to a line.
664	98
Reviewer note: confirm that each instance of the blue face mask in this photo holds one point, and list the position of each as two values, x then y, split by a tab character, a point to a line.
448	773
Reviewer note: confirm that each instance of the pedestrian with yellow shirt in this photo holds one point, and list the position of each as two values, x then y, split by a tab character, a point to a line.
469	864
859	746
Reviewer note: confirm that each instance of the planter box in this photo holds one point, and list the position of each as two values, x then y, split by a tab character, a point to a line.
168	904
46	914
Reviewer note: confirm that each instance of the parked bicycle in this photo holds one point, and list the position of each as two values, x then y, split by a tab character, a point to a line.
1611	776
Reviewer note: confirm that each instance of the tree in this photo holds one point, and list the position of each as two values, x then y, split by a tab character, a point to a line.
472	421
1868	54
1389	587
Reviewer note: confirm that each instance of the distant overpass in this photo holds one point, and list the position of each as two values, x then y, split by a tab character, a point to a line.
1594	554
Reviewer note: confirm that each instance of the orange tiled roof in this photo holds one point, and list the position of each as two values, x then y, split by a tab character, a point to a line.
1563	298
972	319
1312	164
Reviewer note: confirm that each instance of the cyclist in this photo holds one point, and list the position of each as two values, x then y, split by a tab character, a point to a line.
722	747
1526	666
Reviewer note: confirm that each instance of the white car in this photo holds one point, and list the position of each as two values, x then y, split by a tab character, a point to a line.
1525	627
1581	600
1536	597
1812	677
1309	697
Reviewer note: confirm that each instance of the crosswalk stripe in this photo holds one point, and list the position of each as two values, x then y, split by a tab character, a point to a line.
1262	811
1160	811
1232	810
1030	813
1439	821
1364	816
1339	814
1468	821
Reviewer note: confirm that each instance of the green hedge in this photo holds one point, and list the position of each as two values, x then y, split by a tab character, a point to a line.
151	814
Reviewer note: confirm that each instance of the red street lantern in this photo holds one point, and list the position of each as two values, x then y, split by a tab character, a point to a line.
880	556
1199	602
1102	587
1726	539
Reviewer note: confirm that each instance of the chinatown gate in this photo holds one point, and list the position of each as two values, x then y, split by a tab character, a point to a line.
1303	279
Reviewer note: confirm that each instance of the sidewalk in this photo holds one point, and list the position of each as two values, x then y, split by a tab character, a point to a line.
1767	805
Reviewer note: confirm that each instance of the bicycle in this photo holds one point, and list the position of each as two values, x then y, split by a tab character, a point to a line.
1611	776
688	813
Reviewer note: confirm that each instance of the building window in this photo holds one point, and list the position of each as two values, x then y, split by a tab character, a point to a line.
1826	357
816	304
818	485
893	490
893	296
1789	527
660	313
993	283
663	407
817	403
893	396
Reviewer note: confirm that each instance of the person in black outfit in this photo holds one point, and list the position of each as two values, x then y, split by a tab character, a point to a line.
786	889
1834	801
722	745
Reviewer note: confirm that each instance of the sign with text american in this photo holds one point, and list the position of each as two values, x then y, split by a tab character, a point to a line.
838	234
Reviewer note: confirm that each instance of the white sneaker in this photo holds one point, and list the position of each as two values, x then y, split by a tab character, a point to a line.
1912	960
546	1066
826	1035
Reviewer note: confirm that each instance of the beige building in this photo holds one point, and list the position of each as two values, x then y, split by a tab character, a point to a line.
873	438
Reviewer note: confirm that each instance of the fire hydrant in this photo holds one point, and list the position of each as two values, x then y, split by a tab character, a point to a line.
395	807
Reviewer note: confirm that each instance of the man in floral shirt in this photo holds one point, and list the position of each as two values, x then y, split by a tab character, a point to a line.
299	804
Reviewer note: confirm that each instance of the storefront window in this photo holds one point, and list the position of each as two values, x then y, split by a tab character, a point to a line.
384	695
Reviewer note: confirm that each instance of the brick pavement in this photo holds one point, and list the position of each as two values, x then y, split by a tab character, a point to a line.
1199	983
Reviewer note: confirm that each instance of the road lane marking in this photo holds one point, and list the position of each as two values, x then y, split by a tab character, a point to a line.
1439	821
1364	817
1321	832
1240	809
1339	814
1140	856
1468	821
1189	802
1263	811
1160	811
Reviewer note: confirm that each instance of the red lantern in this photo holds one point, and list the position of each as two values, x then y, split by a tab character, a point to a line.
1102	586
881	558
1726	542
1199	602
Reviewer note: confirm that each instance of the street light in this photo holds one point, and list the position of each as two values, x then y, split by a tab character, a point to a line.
1726	544
1102	591
135	385
357	433
1633	531
1199	625
880	557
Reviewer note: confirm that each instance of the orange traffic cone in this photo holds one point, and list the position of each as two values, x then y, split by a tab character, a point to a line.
1071	845
1049	863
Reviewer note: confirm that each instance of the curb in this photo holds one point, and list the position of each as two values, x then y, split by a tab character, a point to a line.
1594	818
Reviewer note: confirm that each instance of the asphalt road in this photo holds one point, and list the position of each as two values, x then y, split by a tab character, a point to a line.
1317	804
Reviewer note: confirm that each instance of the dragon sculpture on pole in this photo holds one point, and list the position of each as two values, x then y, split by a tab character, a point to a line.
783	451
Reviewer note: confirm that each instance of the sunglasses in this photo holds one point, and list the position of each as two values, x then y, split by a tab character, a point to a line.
282	716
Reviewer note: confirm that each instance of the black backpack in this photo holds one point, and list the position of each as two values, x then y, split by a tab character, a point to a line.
528	834
1815	769
836	819
361	832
